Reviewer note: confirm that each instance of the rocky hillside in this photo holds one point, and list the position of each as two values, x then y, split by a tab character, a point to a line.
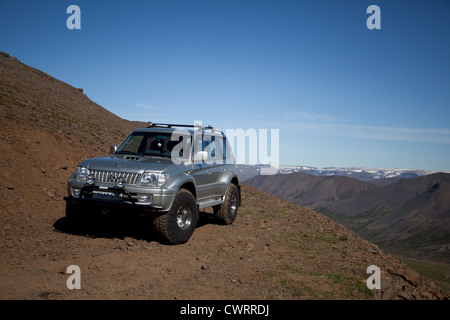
275	249
48	128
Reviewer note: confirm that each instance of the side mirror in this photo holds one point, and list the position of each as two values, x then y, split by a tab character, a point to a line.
112	149
200	156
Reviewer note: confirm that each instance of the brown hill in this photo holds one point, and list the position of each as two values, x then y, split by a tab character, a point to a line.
48	128
274	250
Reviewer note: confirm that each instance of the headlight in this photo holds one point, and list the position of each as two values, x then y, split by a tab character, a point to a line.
153	179
81	174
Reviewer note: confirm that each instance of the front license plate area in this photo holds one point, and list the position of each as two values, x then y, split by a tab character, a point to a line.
103	195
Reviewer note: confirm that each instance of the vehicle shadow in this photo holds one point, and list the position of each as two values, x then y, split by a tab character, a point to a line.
119	226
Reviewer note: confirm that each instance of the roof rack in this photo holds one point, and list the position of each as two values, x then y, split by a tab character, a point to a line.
170	125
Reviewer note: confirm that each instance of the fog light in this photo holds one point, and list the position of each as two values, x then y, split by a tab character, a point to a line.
76	192
144	198
121	182
90	179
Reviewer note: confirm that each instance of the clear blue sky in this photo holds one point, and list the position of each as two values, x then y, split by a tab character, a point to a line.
340	94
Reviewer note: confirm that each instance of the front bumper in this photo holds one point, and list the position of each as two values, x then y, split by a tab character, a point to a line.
128	200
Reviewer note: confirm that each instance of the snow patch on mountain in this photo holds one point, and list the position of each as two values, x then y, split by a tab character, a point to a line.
360	173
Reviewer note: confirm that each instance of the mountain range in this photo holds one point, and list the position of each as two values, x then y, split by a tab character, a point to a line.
379	176
409	217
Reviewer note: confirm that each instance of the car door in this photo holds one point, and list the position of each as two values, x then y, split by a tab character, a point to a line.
213	145
202	171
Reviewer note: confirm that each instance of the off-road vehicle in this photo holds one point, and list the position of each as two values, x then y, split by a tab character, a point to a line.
165	171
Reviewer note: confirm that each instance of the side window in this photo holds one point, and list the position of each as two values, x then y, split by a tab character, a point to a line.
216	146
213	145
182	146
208	144
228	157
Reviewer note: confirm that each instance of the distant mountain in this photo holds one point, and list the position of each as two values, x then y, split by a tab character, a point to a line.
246	171
309	190
410	217
365	174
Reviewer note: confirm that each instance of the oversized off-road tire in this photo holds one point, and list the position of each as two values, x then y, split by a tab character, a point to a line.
227	211
178	225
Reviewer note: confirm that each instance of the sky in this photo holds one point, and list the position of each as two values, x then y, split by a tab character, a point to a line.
340	94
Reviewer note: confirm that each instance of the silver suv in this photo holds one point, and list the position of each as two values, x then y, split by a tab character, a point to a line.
168	171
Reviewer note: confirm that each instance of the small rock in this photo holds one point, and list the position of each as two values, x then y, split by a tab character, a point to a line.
388	294
33	215
403	295
129	241
50	194
413	278
389	290
250	246
351	236
44	295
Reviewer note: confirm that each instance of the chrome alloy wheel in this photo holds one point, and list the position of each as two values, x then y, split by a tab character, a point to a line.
233	205
184	217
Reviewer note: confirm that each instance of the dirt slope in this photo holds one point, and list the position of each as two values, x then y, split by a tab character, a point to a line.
274	250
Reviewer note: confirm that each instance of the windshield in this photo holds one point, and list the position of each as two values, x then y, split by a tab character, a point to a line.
148	144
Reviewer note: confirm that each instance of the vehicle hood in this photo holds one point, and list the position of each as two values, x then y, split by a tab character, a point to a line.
128	163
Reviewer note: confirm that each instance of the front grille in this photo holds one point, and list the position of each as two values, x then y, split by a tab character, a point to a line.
111	176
